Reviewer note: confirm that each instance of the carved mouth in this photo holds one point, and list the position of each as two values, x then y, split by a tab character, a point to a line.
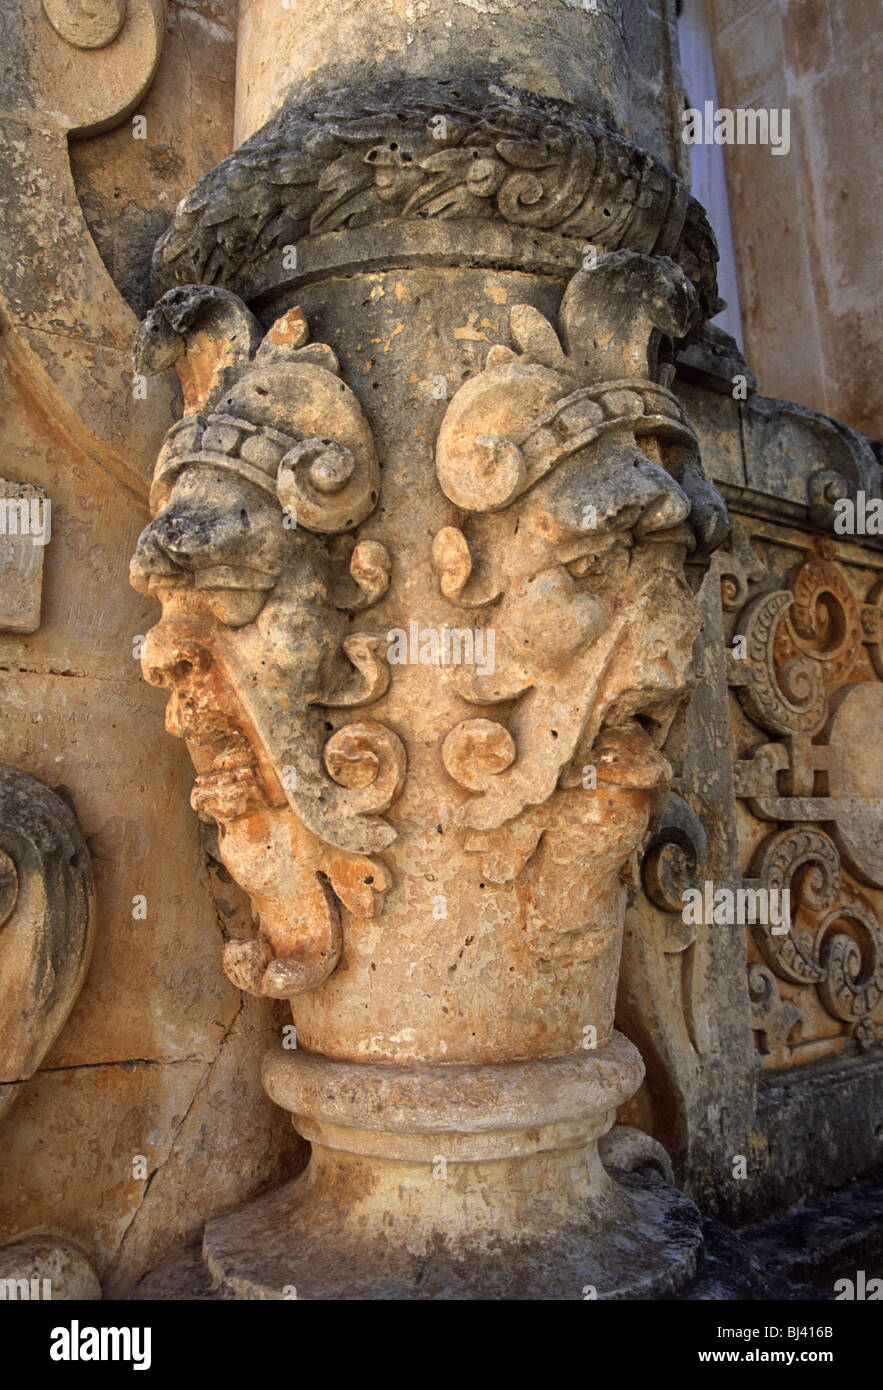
203	710
228	780
228	793
626	752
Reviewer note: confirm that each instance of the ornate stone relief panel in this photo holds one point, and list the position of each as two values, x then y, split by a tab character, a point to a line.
806	709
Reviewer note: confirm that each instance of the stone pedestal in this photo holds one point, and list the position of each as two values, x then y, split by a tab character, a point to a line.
456	1182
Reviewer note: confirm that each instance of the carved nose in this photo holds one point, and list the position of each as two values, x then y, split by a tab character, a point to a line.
170	661
667	510
184	538
196	535
151	559
663	504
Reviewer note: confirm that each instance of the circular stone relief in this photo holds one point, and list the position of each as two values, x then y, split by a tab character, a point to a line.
86	23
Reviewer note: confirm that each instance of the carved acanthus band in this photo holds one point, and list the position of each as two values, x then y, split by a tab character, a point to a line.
503	158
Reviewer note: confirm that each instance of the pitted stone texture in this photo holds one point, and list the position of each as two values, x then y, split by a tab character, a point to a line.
349	758
407	176
467	1099
49	1265
25	527
552	502
539	45
47	923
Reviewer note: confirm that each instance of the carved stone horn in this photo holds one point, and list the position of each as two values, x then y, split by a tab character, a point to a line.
206	333
615	317
47	919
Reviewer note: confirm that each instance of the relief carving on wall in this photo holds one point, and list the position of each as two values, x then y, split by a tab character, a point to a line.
811	677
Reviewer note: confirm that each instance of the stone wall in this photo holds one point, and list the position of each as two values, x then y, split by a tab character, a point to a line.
160	1057
805	224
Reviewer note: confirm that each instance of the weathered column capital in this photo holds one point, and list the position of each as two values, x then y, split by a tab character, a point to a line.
407	175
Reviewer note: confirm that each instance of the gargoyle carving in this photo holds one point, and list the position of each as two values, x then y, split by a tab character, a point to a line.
255	490
582	495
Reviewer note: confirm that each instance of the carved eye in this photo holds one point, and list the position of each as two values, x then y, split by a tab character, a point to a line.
602	566
586	564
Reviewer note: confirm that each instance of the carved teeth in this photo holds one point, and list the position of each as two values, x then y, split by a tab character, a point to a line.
226	793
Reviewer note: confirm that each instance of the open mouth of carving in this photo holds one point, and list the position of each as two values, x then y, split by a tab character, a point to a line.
627	751
203	710
228	779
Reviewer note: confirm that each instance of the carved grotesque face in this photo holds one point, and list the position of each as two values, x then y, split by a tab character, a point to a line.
248	556
594	627
582	504
578	505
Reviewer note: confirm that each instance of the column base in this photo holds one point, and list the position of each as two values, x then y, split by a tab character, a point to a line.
456	1182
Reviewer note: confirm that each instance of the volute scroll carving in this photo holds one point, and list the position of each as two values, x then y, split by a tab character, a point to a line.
807	678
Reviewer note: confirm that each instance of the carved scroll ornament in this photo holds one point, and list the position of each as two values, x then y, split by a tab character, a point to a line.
807	648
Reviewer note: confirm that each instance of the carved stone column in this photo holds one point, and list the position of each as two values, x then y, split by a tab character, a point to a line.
421	540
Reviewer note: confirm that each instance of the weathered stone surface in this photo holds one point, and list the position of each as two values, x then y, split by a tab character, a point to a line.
436	883
73	710
25	526
682	996
403	161
810	294
51	275
565	497
840	1232
803	457
92	26
537	45
49	1268
47	923
128	187
792	623
208	1139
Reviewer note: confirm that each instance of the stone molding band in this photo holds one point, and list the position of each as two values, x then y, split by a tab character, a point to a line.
434	1100
414	160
